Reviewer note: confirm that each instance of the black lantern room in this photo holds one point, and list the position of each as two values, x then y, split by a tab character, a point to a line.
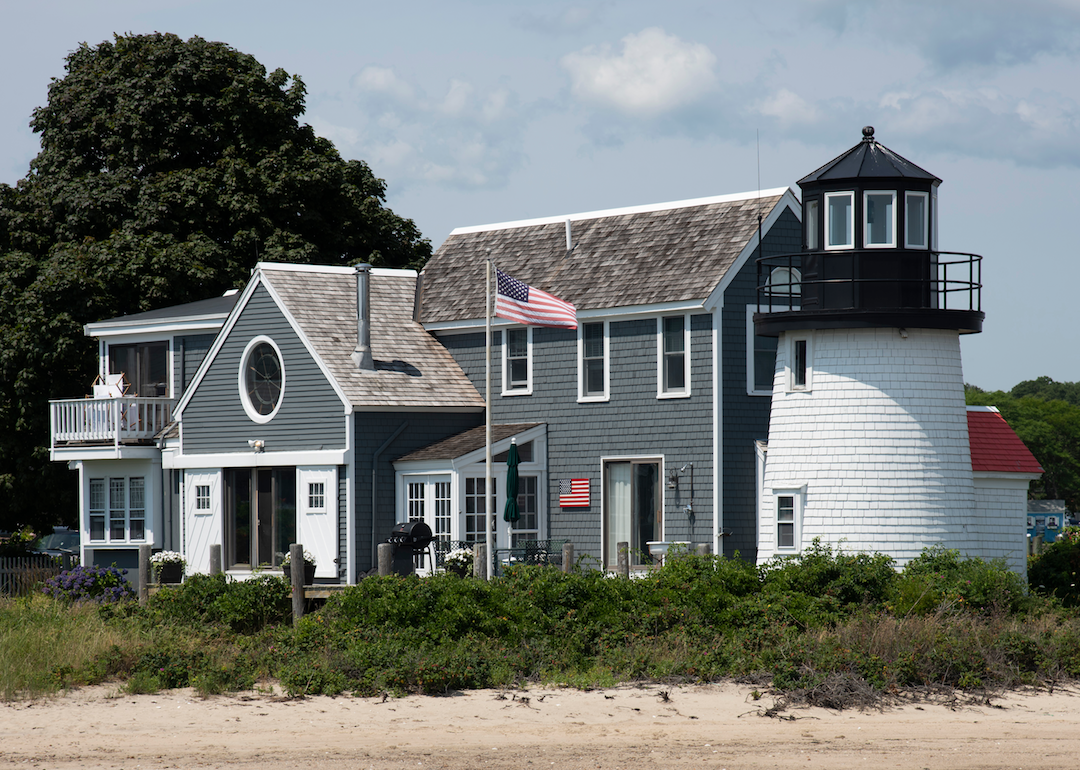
869	255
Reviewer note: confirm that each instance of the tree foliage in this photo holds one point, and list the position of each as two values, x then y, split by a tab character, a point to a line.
1049	427
167	169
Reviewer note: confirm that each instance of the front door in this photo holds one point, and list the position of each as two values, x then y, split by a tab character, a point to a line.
260	517
632	509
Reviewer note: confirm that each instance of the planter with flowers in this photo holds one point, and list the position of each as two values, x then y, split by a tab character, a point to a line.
459	561
168	566
309	567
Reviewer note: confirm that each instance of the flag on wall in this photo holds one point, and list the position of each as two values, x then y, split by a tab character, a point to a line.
574	493
517	301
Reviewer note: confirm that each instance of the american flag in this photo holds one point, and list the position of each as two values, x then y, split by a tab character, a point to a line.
574	493
517	301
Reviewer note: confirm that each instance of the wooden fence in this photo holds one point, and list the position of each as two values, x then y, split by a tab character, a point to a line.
20	575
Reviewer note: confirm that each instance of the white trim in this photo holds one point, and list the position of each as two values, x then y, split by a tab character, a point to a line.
627	313
850	195
245	399
660	460
683	392
717	432
562	218
210	322
798	495
528	389
255	459
594	397
866	224
291	267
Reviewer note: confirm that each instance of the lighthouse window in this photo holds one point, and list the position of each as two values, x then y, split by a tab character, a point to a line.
785	521
839	220
811	223
799	366
915	229
880	211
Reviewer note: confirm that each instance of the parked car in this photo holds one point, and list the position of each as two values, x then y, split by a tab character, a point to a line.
62	540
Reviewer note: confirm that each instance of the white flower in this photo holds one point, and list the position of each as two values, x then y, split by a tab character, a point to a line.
167	557
286	559
459	557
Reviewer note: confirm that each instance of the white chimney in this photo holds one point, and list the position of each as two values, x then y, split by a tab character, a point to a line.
362	355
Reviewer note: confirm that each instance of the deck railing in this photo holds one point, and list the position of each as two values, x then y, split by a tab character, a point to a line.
115	421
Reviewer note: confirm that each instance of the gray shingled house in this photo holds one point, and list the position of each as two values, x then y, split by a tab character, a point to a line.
663	382
310	419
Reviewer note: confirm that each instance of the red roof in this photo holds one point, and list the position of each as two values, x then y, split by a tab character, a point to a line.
995	447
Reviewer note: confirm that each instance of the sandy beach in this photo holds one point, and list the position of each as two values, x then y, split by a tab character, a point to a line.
714	726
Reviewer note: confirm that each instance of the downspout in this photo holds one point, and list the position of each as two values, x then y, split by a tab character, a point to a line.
375	486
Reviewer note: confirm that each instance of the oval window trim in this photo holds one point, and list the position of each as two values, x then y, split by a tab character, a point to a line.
252	349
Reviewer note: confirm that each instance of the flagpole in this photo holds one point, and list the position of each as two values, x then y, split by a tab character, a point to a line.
489	498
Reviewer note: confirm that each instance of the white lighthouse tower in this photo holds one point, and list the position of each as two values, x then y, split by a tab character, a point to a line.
868	437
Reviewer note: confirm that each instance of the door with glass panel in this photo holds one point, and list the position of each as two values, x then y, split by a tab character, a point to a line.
260	518
633	509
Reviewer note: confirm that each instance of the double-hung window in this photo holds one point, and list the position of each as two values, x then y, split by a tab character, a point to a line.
118	510
593	373
673	346
517	362
785	522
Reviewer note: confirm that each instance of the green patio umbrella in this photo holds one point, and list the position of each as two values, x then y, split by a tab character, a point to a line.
510	513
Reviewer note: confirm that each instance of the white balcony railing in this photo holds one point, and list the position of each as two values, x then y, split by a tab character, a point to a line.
108	420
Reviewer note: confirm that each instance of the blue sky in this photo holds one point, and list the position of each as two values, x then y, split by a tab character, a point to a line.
482	111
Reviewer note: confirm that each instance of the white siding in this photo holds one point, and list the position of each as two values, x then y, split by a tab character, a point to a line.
1001	513
317	528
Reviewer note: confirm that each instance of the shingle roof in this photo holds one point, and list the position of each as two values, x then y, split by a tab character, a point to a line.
411	368
868	159
469	441
995	447
665	253
203	307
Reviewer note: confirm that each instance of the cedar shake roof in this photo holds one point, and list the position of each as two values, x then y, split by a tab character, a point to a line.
995	447
469	441
625	257
411	368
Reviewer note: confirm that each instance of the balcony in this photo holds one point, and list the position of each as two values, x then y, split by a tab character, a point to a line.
104	422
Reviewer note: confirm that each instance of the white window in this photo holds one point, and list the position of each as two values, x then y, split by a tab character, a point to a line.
786	521
673	346
800	368
316	496
476	503
593	371
202	497
812	223
261	379
121	502
517	362
839	220
916	206
879	211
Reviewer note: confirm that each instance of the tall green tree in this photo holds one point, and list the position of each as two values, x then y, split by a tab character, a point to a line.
167	169
1051	430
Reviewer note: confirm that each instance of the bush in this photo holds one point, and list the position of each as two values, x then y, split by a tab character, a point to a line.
245	606
1054	571
939	579
98	584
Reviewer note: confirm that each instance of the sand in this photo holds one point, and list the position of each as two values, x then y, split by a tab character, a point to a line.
711	726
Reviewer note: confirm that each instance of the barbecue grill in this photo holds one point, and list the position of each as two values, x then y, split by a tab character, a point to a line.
409	539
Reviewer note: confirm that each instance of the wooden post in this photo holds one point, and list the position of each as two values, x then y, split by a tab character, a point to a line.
386	559
296	560
479	561
144	573
568	558
623	567
215	559
65	561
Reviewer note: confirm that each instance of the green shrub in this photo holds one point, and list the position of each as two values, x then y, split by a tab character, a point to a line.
1054	571
245	606
939	579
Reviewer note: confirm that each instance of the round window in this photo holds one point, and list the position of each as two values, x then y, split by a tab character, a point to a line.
263	378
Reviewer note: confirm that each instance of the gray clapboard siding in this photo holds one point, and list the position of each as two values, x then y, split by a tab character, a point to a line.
633	423
746	417
311	416
372	430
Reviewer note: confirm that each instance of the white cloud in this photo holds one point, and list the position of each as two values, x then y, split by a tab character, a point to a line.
382	80
341	136
654	73
788	107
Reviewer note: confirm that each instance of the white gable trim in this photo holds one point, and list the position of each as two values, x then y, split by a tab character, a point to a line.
644	209
787	200
259	279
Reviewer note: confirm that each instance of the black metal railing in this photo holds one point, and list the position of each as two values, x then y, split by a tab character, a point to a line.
861	279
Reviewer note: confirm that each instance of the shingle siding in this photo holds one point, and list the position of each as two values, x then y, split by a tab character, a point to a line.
311	416
191	350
